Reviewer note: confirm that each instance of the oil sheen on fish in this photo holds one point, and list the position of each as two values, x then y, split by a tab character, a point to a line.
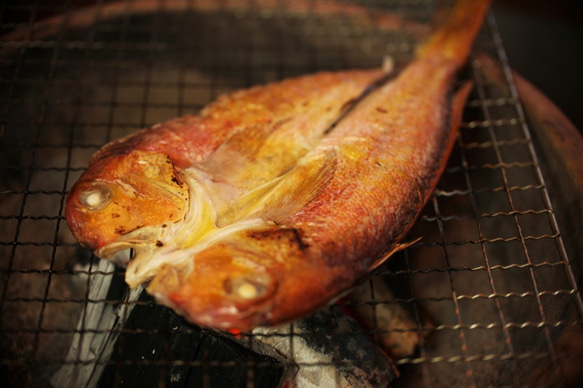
273	201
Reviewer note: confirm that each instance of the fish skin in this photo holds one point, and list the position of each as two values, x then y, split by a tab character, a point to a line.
140	189
389	153
191	139
381	164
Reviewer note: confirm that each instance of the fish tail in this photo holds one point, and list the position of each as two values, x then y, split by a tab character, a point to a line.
455	39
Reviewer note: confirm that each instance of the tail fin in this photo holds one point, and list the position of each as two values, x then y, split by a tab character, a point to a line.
455	39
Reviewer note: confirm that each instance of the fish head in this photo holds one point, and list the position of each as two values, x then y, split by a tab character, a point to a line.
125	201
227	286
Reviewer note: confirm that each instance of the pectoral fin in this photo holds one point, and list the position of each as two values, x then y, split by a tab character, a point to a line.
248	203
297	188
238	150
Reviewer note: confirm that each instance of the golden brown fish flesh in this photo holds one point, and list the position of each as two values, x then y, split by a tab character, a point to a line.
273	201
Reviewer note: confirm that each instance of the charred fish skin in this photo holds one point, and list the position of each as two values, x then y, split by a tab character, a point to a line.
303	228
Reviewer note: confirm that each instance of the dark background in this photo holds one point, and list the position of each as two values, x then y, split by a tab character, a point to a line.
543	40
544	43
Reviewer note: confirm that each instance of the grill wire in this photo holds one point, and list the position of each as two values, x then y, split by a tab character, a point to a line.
488	291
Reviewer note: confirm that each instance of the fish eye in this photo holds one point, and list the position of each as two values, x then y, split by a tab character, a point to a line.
96	197
247	287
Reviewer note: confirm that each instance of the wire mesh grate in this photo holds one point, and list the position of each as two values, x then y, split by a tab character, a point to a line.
486	297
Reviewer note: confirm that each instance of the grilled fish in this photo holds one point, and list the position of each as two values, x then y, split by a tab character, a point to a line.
273	201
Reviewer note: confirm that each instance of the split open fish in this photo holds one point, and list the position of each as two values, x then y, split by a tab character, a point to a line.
273	201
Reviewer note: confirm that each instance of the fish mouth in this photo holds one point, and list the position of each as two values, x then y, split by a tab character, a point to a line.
252	306
227	316
144	239
234	319
141	252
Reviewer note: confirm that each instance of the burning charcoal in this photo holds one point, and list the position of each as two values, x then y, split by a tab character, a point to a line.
331	350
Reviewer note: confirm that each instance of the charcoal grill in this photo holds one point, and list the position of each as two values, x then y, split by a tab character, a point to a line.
490	289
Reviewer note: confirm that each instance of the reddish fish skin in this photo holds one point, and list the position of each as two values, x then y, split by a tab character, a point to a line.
183	142
192	138
303	257
389	153
403	160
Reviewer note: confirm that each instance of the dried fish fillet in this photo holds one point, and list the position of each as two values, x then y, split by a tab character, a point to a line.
273	201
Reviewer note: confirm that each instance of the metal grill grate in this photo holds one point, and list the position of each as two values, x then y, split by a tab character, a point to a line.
487	296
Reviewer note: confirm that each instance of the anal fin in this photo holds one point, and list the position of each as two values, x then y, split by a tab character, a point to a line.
396	248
